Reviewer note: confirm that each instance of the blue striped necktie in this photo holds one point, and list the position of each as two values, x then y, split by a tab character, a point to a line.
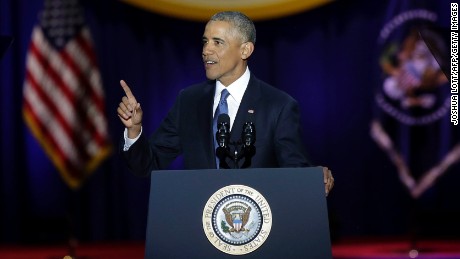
222	108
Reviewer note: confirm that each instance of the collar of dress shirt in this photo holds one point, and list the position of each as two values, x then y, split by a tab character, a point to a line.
236	89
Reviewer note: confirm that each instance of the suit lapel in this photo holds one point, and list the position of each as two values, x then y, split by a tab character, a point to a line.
250	98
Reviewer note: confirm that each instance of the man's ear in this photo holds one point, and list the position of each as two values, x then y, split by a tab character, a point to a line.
246	50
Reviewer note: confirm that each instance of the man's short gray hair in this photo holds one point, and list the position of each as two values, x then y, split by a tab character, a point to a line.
244	26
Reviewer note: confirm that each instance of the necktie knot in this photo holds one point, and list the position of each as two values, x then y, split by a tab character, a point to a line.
222	106
223	96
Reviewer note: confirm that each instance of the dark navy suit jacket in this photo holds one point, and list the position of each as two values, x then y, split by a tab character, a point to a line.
187	131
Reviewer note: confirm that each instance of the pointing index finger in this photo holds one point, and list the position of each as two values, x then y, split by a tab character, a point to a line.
128	92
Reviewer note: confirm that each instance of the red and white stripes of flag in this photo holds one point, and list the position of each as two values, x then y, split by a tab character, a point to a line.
64	103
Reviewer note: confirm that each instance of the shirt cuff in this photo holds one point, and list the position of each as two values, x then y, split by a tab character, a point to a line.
129	141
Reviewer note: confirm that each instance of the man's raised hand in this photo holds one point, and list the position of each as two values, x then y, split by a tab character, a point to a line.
130	112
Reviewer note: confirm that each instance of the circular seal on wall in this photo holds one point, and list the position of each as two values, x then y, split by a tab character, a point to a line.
414	90
237	219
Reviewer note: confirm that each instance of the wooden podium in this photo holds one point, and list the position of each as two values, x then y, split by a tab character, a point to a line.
200	214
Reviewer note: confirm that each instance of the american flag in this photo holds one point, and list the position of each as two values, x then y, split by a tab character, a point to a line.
63	96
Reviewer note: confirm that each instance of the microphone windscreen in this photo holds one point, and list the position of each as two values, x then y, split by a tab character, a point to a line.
223	118
250	117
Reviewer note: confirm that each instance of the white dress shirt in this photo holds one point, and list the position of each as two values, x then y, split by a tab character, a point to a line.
236	90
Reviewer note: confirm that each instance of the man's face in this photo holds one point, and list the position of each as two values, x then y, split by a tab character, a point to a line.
222	53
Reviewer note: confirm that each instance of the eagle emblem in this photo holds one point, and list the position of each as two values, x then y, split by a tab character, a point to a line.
237	216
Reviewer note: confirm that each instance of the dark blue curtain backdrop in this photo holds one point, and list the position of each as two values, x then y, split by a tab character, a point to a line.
325	58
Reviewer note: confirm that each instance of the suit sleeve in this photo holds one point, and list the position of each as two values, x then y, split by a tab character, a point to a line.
290	151
158	151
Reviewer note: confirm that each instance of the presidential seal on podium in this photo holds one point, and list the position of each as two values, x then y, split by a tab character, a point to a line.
237	219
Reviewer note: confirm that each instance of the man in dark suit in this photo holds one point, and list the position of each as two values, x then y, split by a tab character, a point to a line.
228	42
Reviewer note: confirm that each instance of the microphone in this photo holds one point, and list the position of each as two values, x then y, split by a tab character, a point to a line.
223	130
223	138
248	136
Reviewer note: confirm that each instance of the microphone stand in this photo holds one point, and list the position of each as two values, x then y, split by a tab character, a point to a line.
242	148
240	151
236	159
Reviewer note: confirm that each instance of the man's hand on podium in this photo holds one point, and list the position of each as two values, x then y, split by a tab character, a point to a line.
328	179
